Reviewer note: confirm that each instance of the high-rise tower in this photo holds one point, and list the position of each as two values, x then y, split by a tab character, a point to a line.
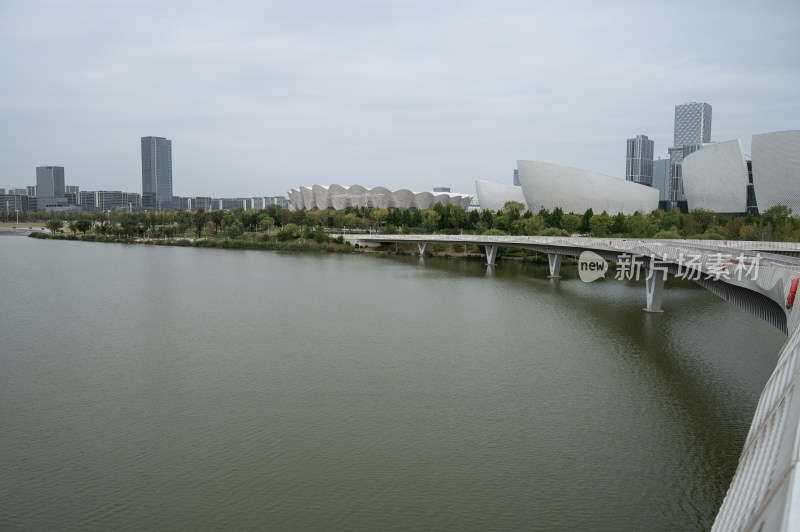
156	174
639	160
50	187
692	124
692	128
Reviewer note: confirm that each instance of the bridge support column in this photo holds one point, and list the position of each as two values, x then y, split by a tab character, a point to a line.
491	254
423	247
554	260
654	286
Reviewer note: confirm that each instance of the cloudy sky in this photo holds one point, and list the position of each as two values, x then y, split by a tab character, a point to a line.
263	96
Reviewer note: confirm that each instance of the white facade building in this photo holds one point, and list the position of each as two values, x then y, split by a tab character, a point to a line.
715	178
494	196
319	197
549	185
776	169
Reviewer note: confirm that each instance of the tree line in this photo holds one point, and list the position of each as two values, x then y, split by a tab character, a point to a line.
776	223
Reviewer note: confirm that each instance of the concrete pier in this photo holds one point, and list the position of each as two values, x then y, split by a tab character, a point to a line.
554	260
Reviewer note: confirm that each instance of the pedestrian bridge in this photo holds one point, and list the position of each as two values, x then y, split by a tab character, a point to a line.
756	277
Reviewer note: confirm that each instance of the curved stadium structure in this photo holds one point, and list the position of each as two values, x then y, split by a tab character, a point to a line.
715	178
776	169
493	196
318	197
549	185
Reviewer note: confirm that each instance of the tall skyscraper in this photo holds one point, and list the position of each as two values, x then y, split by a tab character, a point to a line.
156	174
50	187
692	124
639	160
692	127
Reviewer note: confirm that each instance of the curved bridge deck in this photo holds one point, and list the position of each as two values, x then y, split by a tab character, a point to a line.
754	276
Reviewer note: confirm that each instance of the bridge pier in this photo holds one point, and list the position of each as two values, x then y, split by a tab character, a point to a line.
491	254
654	286
554	260
423	247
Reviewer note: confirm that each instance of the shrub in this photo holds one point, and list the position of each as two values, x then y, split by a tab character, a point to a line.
554	231
668	235
288	232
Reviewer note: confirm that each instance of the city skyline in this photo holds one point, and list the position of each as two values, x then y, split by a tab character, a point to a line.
260	99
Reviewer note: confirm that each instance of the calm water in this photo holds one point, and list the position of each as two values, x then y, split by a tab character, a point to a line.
146	387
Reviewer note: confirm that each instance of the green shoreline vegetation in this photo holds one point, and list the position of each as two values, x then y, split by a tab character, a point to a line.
281	229
333	245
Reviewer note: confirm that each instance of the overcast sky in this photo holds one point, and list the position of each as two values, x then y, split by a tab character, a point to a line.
263	96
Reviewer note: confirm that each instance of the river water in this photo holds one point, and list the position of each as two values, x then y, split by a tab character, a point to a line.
147	387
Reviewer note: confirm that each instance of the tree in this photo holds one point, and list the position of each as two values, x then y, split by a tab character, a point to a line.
512	210
653	220
73	227
748	232
54	224
234	229
128	225
518	226
350	220
430	220
553	231
324	218
487	217
586	221
544	213
620	225
690	225
733	227
297	217
673	218
379	215
570	223
104	228
600	224
534	225
289	231
637	225
554	220
217	217
266	222
83	225
320	237
473	218
199	220
776	215
458	216
703	217
338	219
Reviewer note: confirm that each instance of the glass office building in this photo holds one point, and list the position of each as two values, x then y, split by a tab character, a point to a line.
156	174
50	187
639	160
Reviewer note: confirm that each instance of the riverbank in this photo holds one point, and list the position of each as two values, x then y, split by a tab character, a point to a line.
437	250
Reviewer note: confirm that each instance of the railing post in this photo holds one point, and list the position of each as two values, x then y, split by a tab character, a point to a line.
554	260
